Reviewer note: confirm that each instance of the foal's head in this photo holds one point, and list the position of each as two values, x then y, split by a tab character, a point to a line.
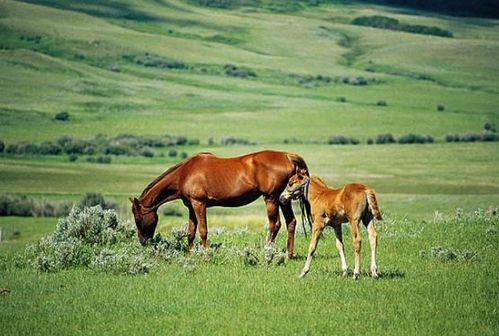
296	186
146	220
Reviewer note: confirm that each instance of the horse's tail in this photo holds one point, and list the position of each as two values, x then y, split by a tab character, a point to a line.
298	162
373	204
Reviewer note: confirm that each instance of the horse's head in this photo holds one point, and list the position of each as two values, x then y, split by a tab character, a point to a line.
146	220
296	186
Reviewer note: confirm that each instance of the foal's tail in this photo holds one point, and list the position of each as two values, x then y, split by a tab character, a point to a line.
373	204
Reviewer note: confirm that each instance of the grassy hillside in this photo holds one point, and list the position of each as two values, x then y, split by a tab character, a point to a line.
148	67
262	71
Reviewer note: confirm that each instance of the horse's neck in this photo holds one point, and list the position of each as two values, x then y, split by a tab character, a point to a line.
317	188
163	189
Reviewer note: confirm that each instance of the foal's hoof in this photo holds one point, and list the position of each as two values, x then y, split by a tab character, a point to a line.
302	275
344	274
374	275
356	276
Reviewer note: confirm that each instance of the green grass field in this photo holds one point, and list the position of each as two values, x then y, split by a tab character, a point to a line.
161	67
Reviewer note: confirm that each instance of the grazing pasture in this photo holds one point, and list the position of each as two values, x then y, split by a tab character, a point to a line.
231	78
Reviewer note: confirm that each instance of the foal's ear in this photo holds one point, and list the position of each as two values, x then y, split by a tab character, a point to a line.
302	172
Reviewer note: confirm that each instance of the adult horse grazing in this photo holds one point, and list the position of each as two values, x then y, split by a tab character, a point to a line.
206	180
353	203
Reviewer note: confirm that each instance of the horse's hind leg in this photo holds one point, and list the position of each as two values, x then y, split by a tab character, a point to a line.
354	230
373	242
289	216
273	214
340	248
317	228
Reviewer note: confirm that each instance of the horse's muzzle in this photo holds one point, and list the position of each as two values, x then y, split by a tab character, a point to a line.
283	199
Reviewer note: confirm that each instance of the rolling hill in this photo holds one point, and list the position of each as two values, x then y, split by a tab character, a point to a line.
261	73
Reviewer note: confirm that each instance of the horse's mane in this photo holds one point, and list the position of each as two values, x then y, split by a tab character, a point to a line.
319	181
298	161
160	177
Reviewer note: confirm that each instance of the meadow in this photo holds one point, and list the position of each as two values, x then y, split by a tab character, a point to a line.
278	75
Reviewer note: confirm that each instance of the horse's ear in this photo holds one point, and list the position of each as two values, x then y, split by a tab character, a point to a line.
134	201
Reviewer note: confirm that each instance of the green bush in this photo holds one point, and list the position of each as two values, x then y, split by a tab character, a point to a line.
172	153
2	146
62	116
92	199
384	139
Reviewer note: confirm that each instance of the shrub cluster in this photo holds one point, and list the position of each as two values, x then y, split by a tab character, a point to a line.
129	145
229	141
311	80
96	239
234	71
472	137
449	254
342	140
82	239
415	138
155	61
378	21
29	207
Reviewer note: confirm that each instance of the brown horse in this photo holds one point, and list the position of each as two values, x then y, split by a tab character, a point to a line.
206	180
353	203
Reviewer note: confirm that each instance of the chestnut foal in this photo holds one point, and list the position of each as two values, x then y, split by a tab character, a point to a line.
353	203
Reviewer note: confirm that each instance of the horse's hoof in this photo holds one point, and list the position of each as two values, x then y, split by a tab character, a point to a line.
356	276
344	274
374	275
302	275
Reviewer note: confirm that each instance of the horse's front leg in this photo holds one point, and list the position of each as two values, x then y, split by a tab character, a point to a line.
272	206
191	229
199	209
287	211
317	229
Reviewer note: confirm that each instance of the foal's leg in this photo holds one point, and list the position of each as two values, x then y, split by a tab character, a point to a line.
272	206
200	212
354	230
317	228
287	211
373	242
340	248
191	228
